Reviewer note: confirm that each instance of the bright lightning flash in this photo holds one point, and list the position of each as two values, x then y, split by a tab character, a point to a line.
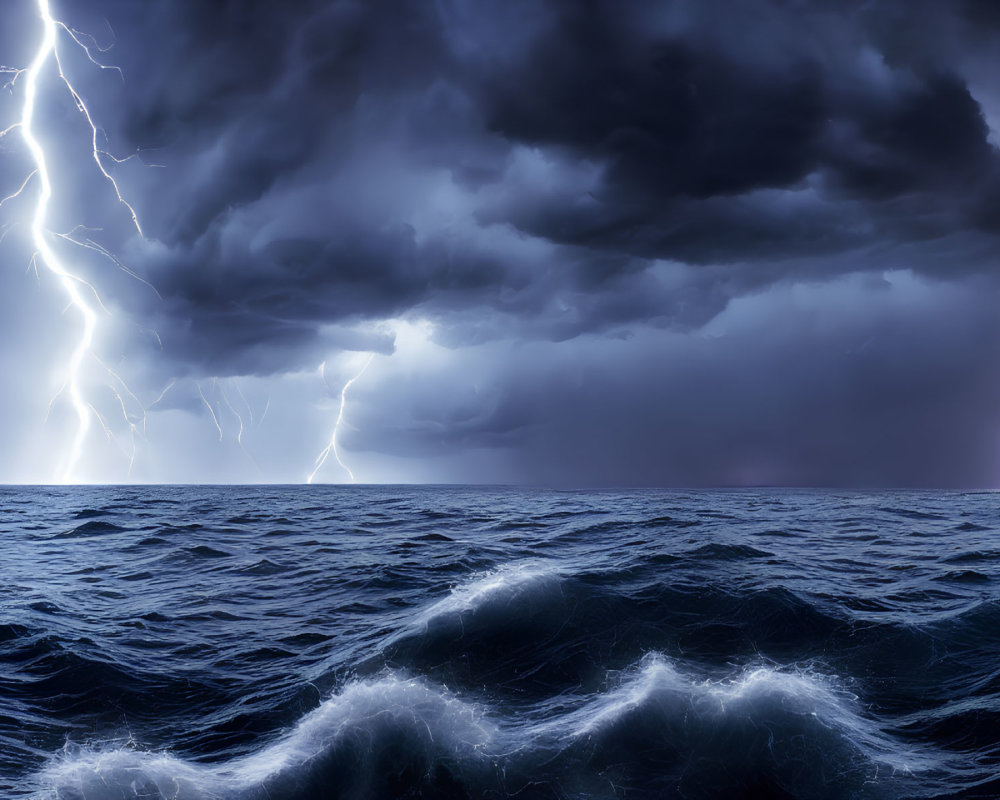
332	446
82	297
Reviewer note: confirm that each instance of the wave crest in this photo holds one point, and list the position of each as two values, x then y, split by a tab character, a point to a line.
363	742
781	731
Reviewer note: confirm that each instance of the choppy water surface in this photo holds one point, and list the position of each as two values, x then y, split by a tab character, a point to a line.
455	642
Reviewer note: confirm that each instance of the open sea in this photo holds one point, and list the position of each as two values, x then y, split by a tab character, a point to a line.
441	642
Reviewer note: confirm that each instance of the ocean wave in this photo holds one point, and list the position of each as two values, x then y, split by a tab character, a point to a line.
728	552
658	732
978	555
658	685
356	652
522	587
787	731
367	741
977	625
541	622
92	528
499	624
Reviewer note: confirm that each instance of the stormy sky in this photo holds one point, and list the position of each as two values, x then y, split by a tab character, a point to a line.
712	242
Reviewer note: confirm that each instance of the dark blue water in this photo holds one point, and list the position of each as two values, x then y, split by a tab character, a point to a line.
452	642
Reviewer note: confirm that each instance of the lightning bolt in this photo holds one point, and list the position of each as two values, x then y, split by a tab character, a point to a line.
239	419
82	297
211	411
332	446
83	301
163	394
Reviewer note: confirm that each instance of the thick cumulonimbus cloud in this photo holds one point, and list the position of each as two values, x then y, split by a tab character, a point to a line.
556	175
344	161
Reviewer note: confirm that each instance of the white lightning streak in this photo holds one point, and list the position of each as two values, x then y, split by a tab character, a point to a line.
9	85
69	282
90	244
140	418
77	291
243	397
132	426
239	417
332	447
163	394
21	190
97	152
235	413
211	411
4	230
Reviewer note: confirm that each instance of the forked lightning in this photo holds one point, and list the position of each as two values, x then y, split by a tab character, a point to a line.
82	296
332	446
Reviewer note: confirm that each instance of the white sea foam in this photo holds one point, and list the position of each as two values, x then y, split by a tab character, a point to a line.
784	702
433	721
101	774
501	587
793	722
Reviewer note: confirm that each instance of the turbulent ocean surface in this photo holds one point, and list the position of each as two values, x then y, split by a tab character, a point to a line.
352	642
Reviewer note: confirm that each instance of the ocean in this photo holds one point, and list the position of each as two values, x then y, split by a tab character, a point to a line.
458	642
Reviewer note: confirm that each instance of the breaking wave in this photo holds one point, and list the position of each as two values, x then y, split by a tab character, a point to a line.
373	739
462	644
657	730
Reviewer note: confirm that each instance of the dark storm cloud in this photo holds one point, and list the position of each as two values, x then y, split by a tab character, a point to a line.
865	383
570	180
691	122
668	117
302	143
